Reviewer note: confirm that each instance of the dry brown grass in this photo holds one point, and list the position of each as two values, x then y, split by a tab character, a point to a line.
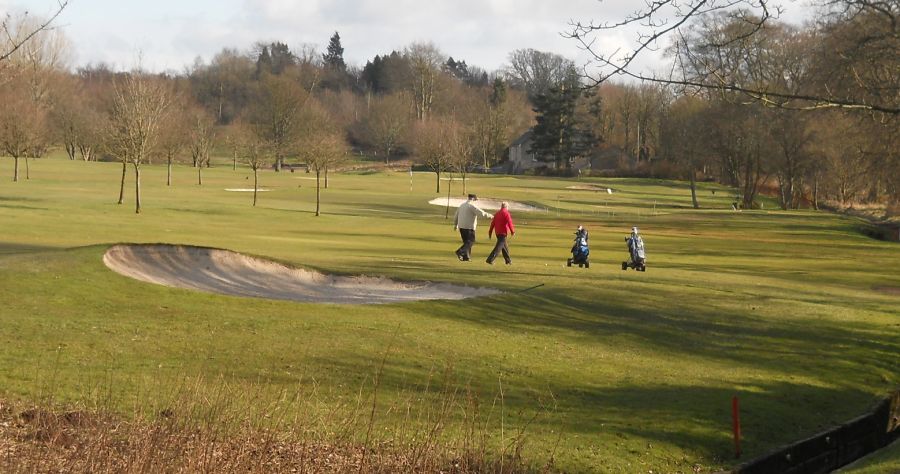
232	430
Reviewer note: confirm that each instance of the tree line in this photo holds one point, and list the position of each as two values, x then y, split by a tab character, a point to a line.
805	112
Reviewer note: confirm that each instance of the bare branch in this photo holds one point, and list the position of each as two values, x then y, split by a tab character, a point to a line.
17	40
734	60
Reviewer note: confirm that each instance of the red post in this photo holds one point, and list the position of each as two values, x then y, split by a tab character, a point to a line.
736	425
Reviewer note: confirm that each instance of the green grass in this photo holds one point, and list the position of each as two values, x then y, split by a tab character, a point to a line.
625	371
884	461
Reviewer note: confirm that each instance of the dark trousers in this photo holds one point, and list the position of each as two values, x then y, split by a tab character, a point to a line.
468	240
500	247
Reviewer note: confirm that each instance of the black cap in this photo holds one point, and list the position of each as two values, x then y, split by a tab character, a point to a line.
473	197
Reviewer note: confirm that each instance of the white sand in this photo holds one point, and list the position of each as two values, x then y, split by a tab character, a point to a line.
230	273
486	204
246	190
591	187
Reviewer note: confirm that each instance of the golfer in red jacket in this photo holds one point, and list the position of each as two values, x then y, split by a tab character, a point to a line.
502	225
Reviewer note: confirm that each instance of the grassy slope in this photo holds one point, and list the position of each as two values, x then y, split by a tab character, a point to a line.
635	370
884	461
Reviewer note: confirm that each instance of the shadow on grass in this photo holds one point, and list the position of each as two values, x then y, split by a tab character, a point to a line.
627	421
829	350
9	248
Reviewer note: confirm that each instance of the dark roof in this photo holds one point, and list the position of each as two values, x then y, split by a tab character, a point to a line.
525	138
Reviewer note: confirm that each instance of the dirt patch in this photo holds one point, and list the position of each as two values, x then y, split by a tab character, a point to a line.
888	290
486	204
230	273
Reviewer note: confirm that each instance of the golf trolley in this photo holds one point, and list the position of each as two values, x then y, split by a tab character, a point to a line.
636	252
580	250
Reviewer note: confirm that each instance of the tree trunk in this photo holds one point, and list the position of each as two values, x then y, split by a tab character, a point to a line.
816	192
255	184
438	173
278	164
169	172
70	150
137	188
449	186
27	171
782	194
694	189
234	160
200	175
16	169
317	191
122	185
326	177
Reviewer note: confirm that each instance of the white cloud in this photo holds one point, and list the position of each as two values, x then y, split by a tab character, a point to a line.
171	33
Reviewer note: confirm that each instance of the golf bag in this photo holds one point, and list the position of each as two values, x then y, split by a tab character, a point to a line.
580	250
636	252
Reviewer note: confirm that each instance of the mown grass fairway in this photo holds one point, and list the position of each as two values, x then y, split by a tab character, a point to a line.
795	312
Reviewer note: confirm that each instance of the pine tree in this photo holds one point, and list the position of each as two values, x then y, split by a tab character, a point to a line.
334	57
559	135
263	62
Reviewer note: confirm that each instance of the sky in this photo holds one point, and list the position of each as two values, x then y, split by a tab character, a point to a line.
168	35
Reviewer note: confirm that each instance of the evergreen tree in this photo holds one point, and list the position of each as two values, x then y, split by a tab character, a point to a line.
282	57
274	58
498	93
560	135
387	73
334	57
263	62
457	69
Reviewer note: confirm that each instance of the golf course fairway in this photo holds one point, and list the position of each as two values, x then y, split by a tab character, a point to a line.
797	313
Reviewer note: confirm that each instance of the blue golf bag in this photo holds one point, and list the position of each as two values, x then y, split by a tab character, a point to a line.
580	249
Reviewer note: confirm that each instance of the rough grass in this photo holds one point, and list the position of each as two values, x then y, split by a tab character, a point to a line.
884	461
597	370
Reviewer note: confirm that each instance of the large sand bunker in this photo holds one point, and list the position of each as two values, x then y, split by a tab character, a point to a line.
230	273
486	204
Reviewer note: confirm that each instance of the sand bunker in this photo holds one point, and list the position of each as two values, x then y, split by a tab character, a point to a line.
231	273
591	187
486	204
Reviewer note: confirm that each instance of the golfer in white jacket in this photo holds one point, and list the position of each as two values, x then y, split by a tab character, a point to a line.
466	219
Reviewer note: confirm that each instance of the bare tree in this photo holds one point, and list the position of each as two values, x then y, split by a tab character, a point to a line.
668	22
491	126
255	152
174	138
461	143
41	60
683	137
433	147
537	71
791	136
22	127
425	62
321	147
17	32
138	112
387	122
276	114
202	137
